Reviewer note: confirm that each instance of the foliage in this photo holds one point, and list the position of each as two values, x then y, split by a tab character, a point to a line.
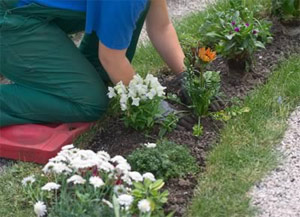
80	183
150	190
229	113
235	33
286	9
202	88
168	124
167	160
198	129
139	101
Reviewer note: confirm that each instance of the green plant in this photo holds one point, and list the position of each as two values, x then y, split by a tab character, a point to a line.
198	129
168	124
80	183
229	113
166	160
236	34
286	9
139	102
202	88
150	191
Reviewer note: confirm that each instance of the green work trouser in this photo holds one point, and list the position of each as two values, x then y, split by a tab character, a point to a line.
53	80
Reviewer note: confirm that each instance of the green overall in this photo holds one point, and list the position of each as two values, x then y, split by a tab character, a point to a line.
53	80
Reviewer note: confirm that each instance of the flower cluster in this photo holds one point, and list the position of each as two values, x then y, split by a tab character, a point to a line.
99	172
138	90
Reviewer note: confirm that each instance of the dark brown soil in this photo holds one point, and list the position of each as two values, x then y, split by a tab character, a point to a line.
116	139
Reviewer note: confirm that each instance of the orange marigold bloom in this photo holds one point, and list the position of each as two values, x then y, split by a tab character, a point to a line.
206	55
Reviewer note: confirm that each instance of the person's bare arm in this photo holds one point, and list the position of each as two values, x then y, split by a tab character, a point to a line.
116	64
163	35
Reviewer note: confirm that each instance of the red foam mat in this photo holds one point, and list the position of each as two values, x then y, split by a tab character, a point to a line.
37	143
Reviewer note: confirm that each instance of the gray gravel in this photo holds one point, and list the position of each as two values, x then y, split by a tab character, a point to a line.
278	195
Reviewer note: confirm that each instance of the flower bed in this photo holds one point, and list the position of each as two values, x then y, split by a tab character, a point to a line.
117	139
235	86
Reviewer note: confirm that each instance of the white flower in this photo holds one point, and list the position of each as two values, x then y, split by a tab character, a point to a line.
118	159
136	176
103	155
132	92
67	147
111	92
126	178
28	179
151	94
40	209
106	166
136	101
144	206
96	181
120	88
50	186
76	179
141	89
119	189
160	91
123	167
125	200
56	167
150	145
109	204
149	176
123	107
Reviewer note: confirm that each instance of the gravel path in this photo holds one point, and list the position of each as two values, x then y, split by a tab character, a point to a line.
178	9
278	195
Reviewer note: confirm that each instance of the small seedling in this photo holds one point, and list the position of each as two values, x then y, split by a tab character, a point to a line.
198	129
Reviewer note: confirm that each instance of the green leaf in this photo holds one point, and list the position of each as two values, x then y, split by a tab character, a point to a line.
157	185
289	6
229	37
259	44
116	206
213	34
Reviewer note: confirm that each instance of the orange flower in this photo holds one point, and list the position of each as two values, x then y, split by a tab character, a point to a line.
206	55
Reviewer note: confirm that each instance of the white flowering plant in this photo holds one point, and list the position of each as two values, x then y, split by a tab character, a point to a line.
79	183
139	102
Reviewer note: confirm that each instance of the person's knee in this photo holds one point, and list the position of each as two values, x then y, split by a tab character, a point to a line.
94	110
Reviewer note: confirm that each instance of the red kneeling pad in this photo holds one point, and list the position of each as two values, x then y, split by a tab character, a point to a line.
37	143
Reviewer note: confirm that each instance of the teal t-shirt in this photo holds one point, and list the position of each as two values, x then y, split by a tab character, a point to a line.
113	20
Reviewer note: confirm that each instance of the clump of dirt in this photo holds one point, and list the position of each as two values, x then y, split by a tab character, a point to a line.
116	139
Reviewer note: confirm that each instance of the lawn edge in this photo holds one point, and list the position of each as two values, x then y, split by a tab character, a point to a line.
245	152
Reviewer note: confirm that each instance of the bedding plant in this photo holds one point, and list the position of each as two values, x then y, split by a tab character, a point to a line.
236	34
79	183
165	160
201	86
139	102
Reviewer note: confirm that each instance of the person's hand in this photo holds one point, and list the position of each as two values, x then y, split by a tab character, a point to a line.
178	84
185	122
